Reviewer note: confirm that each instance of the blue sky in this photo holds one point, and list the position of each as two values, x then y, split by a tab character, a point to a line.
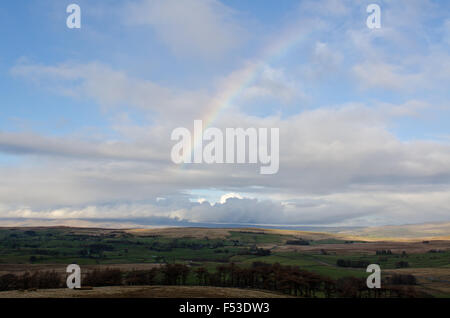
364	114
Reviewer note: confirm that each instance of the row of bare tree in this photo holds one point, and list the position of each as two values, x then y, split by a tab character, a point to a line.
290	280
37	280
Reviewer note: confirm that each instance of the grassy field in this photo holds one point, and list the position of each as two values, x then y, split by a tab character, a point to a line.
29	248
389	261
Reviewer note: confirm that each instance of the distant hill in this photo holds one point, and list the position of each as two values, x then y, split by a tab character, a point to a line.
200	232
414	232
406	232
432	231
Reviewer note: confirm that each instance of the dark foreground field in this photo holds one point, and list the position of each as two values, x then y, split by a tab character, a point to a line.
289	263
144	292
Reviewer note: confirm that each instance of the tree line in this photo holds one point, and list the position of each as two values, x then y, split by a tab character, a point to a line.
290	280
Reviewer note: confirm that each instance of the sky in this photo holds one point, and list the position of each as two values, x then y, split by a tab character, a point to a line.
86	114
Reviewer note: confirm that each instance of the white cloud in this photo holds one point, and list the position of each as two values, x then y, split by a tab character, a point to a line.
386	76
337	165
112	88
345	208
324	55
324	62
225	197
325	8
272	83
202	27
446	31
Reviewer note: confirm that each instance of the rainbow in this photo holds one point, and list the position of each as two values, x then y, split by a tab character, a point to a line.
243	78
248	74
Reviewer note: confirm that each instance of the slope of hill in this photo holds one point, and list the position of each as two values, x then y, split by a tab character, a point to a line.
403	232
221	233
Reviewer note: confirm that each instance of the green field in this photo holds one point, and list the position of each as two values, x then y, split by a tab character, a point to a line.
59	246
389	261
66	246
